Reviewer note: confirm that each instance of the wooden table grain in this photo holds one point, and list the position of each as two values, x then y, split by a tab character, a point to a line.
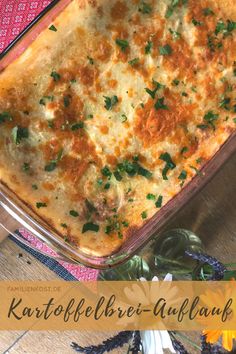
211	215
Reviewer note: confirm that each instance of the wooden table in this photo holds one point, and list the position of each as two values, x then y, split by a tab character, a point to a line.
211	215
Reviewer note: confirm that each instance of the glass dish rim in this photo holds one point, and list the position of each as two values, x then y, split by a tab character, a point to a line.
144	234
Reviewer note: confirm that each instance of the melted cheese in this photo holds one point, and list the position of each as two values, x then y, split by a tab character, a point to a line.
104	120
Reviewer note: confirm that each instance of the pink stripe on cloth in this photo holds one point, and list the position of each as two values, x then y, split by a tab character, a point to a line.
15	15
79	272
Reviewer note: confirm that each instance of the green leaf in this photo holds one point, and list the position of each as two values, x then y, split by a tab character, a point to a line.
170	165
53	164
19	133
150	196
110	102
41	205
160	104
207	11
165	50
5	116
159	201
76	126
90	227
106	172
55	76
210	117
122	43
117	175
134	61
145	8
74	213
67	100
144	215
148	47
53	28
183	175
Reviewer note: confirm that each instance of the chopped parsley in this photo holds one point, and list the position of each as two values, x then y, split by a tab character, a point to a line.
175	35
133	62
145	8
91	208
90	227
118	176
196	23
106	172
225	28
175	82
64	225
173	5
152	93
76	126
34	186
210	118
53	28
207	11
107	186
224	103
151	196
159	201
170	165
144	215
74	213
41	205
42	101
183	150
160	104
26	167
183	175
5	116
165	50
123	118
55	76
122	43
148	47
133	168
67	100
91	60
53	164
110	102
234	120
18	133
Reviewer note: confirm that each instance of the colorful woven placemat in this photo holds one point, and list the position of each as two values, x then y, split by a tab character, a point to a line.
15	15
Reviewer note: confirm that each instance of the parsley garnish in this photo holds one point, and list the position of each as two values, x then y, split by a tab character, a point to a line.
148	47
19	133
144	215
152	93
41	205
91	61
55	76
224	103
67	100
44	98
145	8
196	23
53	28
64	225
207	11
117	175
74	213
165	50
122	43
110	102
53	164
76	126
151	196
159	201
107	186
91	208
133	62
5	116
160	104
183	175
34	186
183	150
26	167
175	82
175	35
210	118
90	227
170	165
106	172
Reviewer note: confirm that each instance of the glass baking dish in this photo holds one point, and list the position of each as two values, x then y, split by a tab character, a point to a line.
26	218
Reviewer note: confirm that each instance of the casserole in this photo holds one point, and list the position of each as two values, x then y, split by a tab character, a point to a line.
100	146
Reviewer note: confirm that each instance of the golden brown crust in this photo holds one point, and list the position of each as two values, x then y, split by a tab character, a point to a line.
124	103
